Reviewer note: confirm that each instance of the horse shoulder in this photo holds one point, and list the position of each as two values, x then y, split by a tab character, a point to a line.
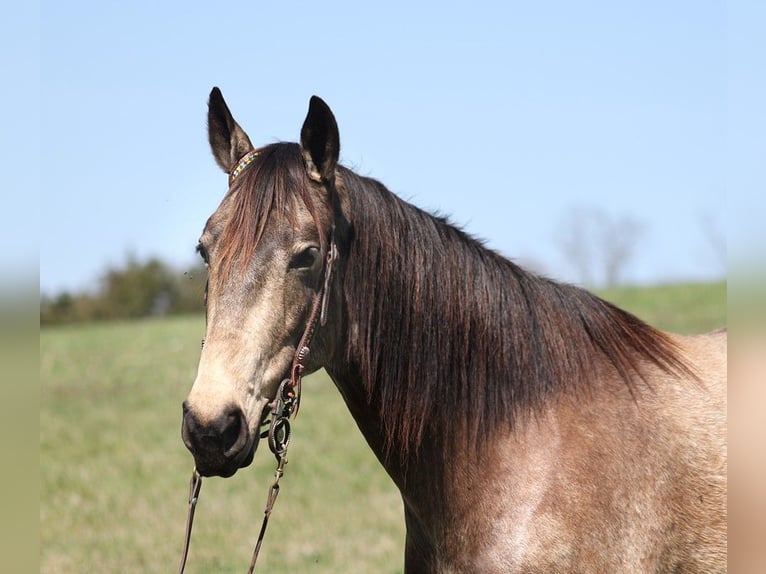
614	481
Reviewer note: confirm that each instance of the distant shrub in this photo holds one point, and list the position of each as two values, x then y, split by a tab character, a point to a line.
136	289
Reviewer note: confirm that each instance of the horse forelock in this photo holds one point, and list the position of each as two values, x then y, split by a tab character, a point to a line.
268	189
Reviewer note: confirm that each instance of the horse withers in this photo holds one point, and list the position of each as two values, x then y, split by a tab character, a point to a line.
529	425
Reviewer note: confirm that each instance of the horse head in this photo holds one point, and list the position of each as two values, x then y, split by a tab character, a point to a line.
266	249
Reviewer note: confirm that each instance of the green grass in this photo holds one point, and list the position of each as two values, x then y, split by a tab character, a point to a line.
681	308
114	473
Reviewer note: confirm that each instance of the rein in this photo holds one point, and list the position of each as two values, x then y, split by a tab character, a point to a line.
287	400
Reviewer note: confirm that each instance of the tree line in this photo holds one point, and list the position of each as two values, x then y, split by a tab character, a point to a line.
598	247
138	288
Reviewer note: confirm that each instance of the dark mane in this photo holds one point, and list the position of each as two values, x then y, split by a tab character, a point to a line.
451	335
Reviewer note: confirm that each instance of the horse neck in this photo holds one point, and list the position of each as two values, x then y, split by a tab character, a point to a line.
443	341
419	476
384	321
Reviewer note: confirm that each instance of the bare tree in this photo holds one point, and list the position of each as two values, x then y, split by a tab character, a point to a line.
597	245
575	237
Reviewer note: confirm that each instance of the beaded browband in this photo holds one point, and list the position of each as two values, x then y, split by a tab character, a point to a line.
242	164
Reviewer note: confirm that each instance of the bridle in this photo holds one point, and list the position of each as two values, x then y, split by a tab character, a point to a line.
287	400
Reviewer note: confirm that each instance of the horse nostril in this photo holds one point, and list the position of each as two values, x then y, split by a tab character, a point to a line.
225	436
186	430
234	435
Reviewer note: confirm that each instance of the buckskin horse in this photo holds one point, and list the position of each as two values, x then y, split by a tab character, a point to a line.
529	425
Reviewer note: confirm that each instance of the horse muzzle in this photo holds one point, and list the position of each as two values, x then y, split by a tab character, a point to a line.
220	446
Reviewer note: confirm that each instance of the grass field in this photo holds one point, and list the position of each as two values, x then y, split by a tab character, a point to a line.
681	308
114	473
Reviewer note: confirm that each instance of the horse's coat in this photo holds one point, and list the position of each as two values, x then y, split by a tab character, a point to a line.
530	426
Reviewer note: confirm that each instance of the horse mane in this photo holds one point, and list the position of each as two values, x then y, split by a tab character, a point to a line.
453	336
450	337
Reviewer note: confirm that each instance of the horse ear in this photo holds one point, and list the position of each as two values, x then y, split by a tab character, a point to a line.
228	141
320	142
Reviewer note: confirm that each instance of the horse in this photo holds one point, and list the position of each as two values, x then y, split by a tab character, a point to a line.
529	425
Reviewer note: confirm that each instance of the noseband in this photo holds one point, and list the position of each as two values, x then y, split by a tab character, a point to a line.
287	400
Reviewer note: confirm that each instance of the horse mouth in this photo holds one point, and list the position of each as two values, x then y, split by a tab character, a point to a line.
228	467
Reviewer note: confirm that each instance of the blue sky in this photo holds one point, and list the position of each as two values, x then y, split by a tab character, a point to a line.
504	115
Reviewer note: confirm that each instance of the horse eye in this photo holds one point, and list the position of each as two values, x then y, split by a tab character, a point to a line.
305	259
202	252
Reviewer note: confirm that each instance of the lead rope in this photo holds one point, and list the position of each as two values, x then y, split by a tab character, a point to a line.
195	484
285	405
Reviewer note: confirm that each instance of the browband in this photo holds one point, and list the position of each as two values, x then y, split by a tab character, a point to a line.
242	164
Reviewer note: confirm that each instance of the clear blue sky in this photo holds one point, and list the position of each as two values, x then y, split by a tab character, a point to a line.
504	115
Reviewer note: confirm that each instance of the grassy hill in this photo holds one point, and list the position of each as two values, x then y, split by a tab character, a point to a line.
680	307
114	473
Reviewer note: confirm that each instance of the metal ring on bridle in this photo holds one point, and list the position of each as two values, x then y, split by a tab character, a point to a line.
279	436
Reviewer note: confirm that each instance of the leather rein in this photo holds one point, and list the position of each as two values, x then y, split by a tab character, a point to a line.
287	400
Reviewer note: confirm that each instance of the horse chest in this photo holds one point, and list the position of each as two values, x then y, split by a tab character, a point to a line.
502	524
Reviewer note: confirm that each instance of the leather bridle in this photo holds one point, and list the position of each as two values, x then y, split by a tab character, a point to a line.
287	400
